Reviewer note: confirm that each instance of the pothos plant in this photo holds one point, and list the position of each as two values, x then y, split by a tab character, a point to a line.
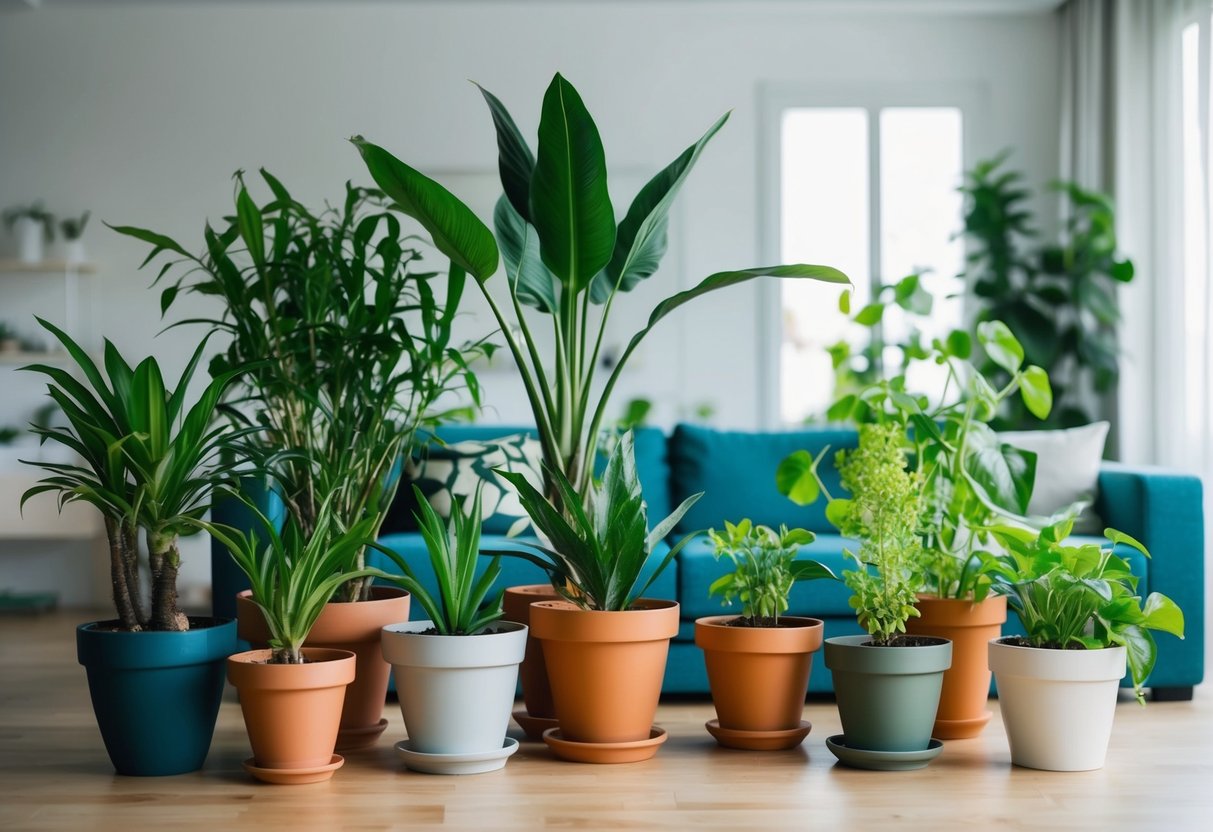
344	344
1082	597
567	260
969	477
765	569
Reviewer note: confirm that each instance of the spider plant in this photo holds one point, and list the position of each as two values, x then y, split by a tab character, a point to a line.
147	462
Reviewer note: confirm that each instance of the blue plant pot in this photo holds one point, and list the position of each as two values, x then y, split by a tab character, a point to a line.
227	581
156	694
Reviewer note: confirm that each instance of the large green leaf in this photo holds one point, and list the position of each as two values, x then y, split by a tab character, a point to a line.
514	158
641	240
1036	392
456	231
796	478
1005	475
570	206
532	281
1000	345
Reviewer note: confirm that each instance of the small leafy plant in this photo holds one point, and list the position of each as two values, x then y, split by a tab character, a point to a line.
600	549
454	550
34	211
765	569
73	227
1075	597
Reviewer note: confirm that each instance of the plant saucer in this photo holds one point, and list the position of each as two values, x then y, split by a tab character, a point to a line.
352	739
759	740
477	762
883	760
604	752
294	776
534	726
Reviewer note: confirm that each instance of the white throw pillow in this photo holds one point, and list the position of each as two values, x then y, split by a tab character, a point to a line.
1067	470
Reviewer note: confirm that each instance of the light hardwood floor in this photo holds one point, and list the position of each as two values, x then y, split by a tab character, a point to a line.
54	774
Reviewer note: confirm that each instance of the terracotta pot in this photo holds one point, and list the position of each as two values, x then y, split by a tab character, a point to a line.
533	673
292	711
966	684
605	668
355	627
758	675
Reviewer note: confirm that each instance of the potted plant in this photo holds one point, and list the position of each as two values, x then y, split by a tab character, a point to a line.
539	710
291	695
338	386
34	227
1084	622
758	662
605	645
457	672
10	341
148	463
73	236
970	479
887	682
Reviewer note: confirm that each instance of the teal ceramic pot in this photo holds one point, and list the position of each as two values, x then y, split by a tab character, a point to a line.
156	694
227	581
887	696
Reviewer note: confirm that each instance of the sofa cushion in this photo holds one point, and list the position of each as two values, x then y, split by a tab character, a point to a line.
736	472
514	571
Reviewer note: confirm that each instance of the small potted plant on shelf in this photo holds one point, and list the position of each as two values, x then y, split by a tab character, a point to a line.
1084	623
148	463
292	695
758	662
605	645
73	238
10	341
35	229
887	682
457	672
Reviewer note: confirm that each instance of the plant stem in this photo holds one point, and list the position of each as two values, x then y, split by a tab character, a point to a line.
162	550
118	577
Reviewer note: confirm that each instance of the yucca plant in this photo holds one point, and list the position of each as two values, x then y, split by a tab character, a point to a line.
454	548
147	462
600	550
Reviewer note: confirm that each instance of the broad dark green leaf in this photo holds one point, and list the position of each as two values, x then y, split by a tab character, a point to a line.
534	284
1004	474
514	158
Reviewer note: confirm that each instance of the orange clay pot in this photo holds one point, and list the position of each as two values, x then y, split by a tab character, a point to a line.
533	673
292	711
966	684
605	668
759	675
355	627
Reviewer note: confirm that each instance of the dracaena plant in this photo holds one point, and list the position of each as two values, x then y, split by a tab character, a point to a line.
599	548
454	548
1082	596
567	260
34	212
970	478
294	572
345	346
146	462
765	569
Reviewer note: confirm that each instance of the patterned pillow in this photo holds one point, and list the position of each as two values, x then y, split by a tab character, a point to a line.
446	471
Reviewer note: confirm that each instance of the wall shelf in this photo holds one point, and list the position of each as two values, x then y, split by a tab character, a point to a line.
58	267
23	357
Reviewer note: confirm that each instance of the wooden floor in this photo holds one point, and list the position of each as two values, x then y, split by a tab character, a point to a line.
54	774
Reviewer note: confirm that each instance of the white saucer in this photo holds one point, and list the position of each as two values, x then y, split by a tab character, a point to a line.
474	763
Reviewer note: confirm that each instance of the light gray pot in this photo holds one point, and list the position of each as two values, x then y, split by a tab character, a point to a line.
887	696
455	692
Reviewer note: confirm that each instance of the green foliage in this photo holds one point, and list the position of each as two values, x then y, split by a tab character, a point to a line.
1082	595
765	568
343	342
147	461
454	551
73	227
635	413
564	254
1058	298
599	547
8	434
34	211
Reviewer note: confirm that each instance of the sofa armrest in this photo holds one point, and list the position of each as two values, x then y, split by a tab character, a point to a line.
1165	511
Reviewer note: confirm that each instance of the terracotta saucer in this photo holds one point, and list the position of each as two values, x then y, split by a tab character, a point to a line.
534	725
960	729
604	752
759	740
293	776
883	760
351	739
474	763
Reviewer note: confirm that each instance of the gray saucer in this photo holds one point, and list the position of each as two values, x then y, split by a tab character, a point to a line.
477	763
882	760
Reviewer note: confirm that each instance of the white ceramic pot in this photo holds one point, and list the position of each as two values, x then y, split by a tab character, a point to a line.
29	240
1057	705
73	252
456	692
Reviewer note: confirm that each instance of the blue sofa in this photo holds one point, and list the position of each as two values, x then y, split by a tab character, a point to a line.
735	471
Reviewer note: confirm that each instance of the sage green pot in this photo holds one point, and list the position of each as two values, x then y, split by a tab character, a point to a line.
887	696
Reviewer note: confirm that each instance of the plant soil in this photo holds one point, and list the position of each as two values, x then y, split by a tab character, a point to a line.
1020	641
907	641
197	622
491	631
765	621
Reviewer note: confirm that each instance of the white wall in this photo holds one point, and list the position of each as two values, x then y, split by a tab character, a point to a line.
142	113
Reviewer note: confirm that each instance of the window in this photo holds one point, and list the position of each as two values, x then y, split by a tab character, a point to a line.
1195	233
872	190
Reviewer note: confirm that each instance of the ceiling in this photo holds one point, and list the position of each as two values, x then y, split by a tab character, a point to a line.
831	6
